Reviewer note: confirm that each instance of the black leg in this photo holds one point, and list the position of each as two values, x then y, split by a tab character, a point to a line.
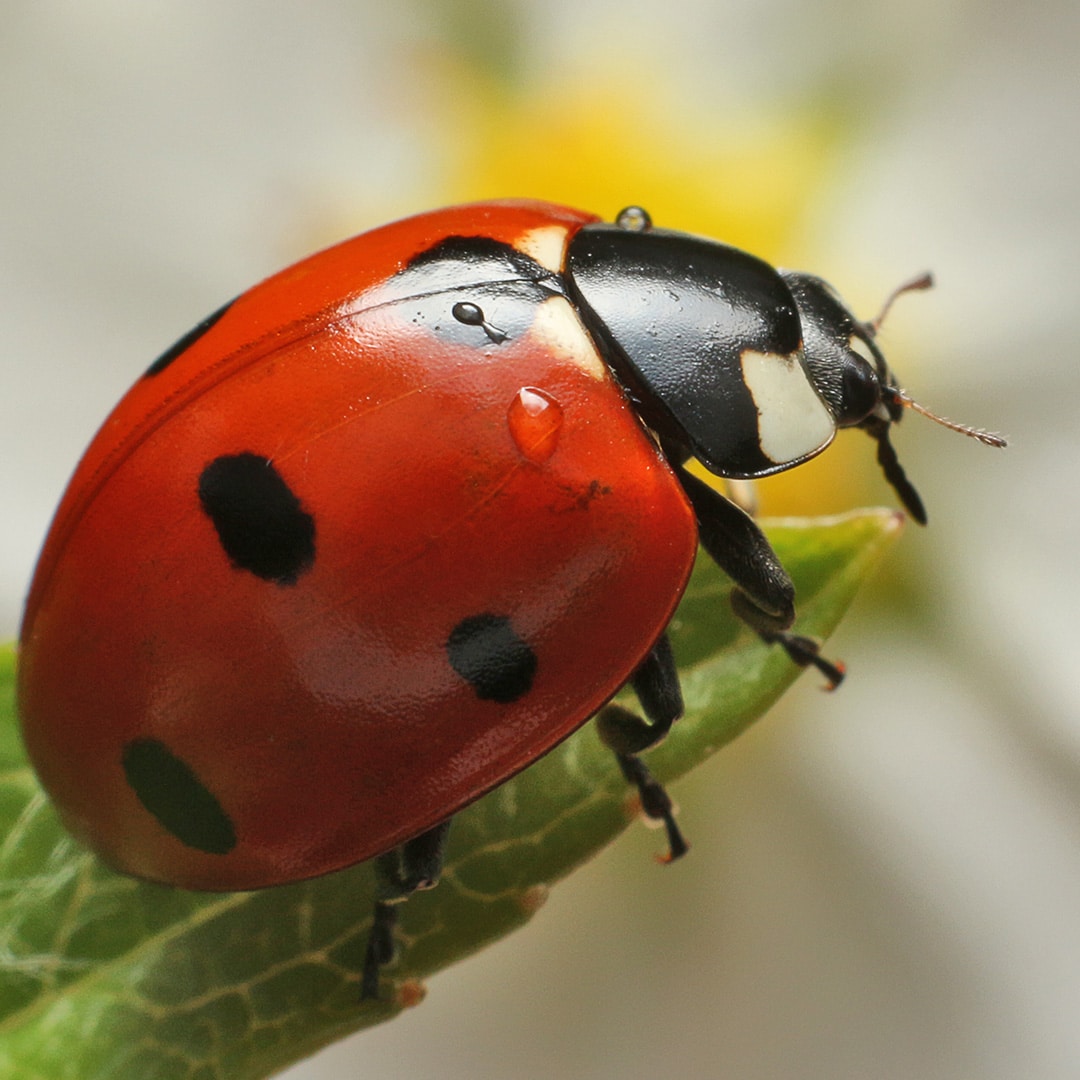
655	803
803	650
894	472
764	596
656	683
380	949
399	873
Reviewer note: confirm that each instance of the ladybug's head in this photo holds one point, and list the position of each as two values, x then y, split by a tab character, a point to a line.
852	377
746	369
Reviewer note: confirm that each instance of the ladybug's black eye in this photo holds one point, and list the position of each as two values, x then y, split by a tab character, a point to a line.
860	391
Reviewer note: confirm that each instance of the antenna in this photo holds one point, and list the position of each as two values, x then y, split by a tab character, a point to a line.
916	284
878	425
987	438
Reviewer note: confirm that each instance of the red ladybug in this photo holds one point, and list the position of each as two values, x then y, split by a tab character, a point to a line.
386	528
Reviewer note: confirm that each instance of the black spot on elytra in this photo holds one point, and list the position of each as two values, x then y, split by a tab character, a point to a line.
491	657
261	524
170	790
185	343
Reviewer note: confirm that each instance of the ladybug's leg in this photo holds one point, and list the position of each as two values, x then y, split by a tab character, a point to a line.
399	873
764	596
656	683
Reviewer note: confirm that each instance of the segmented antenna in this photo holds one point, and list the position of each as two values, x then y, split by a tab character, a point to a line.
916	284
987	438
878	427
926	281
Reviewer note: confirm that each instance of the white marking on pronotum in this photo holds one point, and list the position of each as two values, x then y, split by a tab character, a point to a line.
793	422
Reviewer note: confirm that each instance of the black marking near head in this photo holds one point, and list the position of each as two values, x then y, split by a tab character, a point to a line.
261	524
471	291
185	343
170	790
499	261
492	658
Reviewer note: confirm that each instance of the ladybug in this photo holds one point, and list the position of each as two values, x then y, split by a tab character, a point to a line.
389	526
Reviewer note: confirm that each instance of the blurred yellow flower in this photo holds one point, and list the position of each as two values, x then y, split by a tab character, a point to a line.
607	144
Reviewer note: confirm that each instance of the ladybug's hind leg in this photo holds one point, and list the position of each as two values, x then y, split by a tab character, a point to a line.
764	597
656	683
399	873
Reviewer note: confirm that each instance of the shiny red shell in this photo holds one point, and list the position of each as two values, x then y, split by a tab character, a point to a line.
452	471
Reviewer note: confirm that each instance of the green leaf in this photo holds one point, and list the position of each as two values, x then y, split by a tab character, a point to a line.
106	978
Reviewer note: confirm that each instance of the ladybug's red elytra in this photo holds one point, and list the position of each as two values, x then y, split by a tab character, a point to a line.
389	526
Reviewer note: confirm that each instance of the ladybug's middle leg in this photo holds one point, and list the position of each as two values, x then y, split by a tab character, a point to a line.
399	873
656	683
764	597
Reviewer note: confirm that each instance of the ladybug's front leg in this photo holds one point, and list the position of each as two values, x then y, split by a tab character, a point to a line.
656	683
764	597
416	864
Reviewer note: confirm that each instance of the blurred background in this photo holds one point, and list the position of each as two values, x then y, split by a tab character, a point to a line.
885	882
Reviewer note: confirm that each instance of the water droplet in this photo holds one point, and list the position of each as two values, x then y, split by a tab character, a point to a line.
473	315
535	419
634	219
